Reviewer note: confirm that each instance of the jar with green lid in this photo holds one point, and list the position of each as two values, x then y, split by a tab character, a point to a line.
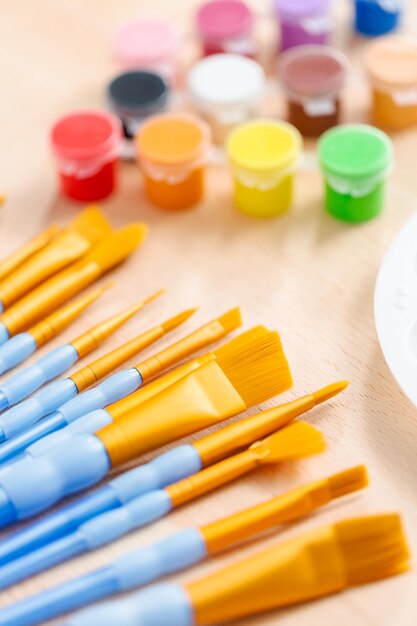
355	160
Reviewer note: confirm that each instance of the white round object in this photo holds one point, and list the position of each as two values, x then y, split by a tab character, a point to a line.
225	80
395	308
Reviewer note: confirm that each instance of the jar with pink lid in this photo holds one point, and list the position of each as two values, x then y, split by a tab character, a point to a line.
151	44
226	26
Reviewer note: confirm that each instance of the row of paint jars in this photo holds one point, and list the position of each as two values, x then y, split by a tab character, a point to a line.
227	89
173	151
227	26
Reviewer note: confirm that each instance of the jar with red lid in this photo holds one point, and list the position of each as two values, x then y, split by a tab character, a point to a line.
86	147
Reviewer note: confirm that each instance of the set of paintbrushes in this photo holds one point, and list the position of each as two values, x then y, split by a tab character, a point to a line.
69	434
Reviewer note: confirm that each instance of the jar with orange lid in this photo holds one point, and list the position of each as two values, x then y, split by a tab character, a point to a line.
391	64
172	152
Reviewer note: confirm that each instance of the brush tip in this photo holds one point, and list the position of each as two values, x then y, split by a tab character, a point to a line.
349	481
372	547
154	296
179	319
231	320
325	393
297	441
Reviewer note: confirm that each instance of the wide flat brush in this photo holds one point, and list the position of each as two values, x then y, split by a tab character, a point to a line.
319	563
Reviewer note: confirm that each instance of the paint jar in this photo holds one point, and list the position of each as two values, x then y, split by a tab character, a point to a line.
151	44
263	156
391	64
136	95
86	146
355	160
226	89
313	77
172	152
226	26
377	17
303	22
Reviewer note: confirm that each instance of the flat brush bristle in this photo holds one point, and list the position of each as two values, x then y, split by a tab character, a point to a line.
92	224
348	481
176	321
231	320
115	248
256	365
373	548
293	442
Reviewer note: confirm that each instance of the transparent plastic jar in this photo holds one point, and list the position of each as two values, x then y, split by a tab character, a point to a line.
313	77
355	160
391	64
172	153
303	22
226	26
86	146
226	89
377	17
151	44
263	156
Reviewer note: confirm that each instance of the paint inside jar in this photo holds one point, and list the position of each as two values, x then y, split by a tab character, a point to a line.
303	22
391	64
355	161
226	90
136	95
172	152
226	26
86	146
151	44
313	77
263	156
377	17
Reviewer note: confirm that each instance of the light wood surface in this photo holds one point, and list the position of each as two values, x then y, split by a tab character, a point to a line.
305	274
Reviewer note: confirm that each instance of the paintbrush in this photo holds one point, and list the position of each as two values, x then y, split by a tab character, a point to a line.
27	250
56	362
108	253
64	248
319	563
293	442
249	370
169	467
21	346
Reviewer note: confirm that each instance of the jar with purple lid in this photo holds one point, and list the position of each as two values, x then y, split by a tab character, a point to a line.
303	22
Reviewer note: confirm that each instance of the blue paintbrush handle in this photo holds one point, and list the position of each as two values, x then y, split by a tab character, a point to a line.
160	605
110	390
4	334
65	469
166	469
25	414
16	350
136	569
25	382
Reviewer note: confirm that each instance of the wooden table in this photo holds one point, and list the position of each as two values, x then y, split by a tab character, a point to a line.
305	274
